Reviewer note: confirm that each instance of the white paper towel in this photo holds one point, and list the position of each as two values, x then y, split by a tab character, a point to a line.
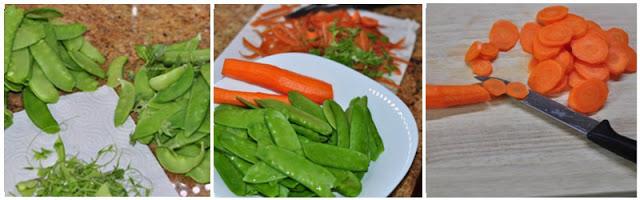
86	123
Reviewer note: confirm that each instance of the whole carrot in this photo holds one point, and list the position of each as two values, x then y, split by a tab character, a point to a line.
442	96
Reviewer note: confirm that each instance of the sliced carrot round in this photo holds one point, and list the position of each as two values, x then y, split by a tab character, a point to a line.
528	34
504	35
481	67
575	78
590	48
517	90
495	87
577	24
552	14
542	52
593	25
533	62
473	52
592	71
618	59
560	87
633	62
566	60
545	76
588	96
489	50
556	34
617	36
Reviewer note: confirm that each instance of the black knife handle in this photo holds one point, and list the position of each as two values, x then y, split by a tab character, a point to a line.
607	138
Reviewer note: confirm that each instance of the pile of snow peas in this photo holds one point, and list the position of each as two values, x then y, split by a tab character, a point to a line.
170	94
298	150
43	55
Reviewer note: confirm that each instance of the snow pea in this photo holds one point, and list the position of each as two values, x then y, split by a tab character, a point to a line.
52	66
341	123
69	31
179	87
43	13
87	64
181	139
185	56
38	112
247	103
205	71
14	87
173	162
333	156
328	114
189	44
240	132
241	147
238	118
297	116
28	34
231	176
50	36
303	103
141	82
73	44
333	140
358	132
376	145
309	133
150	119
84	81
163	81
202	172
41	87
260	172
115	70
304	193
270	189
206	123
66	58
281	131
289	183
126	101
12	19
20	66
260	133
313	176
91	51
347	183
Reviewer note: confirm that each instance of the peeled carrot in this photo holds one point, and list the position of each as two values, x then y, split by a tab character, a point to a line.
504	35
588	96
517	90
556	34
633	62
473	52
552	14
617	36
481	67
577	24
542	52
618	59
566	60
495	87
575	78
277	79
443	96
224	96
592	71
528	33
545	76
590	48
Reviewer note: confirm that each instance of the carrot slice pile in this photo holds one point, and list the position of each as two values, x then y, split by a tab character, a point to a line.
473	52
590	48
552	14
528	35
517	90
504	35
556	34
588	96
545	76
495	87
443	96
481	67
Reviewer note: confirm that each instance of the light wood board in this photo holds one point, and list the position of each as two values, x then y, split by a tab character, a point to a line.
503	148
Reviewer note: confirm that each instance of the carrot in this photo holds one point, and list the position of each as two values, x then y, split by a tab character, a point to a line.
593	25
566	60
495	87
542	52
545	76
488	51
616	36
442	96
633	62
588	96
368	22
504	35
473	52
556	34
528	33
517	90
575	78
618	59
590	48
224	96
560	87
481	67
577	24
363	40
592	71
552	14
532	63
277	79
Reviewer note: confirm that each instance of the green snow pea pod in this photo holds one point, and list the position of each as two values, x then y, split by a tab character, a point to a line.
270	189
298	116
313	176
303	103
333	140
347	183
190	150
163	81
126	101
73	44
39	113
179	87
231	176
262	173
206	123
41	87
28	34
84	81
304	193
197	106
190	44
185	56
241	147
173	162
14	87
66	58
240	132
87	64
328	114
12	19
181	139
260	133
141	82
281	131
20	68
227	107
309	133
205	71
202	172
69	31
91	51
284	191
43	13
115	70
341	123
238	118
333	156
358	132
52	66
152	118
376	145
247	103
50	36
103	191
289	183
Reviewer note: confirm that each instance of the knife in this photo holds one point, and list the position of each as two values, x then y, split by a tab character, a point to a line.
327	7
599	132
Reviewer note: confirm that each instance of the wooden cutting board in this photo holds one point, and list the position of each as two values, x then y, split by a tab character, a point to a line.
503	148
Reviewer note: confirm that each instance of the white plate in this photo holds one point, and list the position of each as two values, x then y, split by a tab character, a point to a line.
395	123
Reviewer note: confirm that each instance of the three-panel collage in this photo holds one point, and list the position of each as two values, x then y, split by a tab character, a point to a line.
418	100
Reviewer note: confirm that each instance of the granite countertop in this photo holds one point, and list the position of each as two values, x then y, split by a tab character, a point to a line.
231	18
114	30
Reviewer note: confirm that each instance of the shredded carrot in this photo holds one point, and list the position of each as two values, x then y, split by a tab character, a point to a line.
588	96
517	90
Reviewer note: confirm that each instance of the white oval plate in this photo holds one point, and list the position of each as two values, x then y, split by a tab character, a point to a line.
395	122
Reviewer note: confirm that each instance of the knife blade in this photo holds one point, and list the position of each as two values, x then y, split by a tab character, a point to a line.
599	132
328	7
